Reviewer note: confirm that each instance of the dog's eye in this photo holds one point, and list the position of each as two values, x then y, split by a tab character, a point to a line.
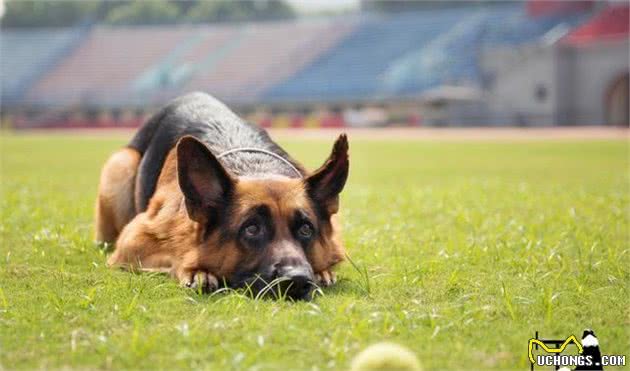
305	231
253	231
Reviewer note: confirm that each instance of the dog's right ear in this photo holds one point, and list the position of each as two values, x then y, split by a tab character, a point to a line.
325	184
204	182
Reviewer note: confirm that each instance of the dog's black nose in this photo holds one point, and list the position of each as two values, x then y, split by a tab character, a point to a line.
298	281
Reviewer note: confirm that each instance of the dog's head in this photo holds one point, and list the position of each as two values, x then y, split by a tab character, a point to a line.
262	231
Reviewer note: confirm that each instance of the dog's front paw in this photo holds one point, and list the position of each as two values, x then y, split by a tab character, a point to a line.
199	280
325	278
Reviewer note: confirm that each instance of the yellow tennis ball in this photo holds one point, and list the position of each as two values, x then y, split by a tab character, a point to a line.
386	356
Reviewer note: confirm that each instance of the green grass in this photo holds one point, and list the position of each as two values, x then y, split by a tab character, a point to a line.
461	251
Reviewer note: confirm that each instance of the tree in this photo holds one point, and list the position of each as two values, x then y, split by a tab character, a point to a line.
57	13
234	11
274	9
143	12
38	13
219	11
387	6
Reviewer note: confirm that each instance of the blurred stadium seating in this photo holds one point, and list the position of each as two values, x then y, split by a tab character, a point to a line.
365	58
452	56
28	55
322	60
105	67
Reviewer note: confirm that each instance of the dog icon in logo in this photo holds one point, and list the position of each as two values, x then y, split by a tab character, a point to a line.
590	346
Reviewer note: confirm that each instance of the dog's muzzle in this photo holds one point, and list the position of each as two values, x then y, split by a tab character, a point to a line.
287	281
295	282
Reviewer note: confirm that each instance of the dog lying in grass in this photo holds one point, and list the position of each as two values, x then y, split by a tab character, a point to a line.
211	199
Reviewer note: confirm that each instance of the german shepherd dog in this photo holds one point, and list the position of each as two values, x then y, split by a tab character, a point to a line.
212	200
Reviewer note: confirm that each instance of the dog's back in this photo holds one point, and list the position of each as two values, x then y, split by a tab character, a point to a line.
210	121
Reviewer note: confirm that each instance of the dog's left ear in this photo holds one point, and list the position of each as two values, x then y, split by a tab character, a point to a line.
203	180
325	184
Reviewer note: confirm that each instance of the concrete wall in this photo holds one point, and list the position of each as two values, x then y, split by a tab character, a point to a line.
585	75
575	82
521	88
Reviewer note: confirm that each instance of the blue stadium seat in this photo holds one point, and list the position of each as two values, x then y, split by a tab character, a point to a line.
28	54
407	53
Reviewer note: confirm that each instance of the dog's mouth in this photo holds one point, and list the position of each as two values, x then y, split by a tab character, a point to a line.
278	288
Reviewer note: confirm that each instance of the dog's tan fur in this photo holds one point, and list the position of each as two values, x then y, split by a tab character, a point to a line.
166	237
115	201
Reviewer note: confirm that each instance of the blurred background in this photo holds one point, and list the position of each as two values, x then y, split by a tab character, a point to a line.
326	63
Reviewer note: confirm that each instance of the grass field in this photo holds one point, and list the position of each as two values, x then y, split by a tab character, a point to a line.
463	250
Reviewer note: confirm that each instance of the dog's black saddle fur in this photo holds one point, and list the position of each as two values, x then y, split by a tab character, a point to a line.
210	121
